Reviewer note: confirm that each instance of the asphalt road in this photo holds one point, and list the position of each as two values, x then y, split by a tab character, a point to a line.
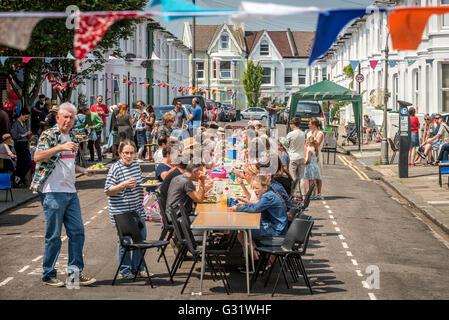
365	245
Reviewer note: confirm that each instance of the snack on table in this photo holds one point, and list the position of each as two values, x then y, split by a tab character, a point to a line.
151	182
211	199
97	166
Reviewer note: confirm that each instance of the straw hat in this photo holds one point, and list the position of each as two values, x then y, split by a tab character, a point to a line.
284	142
5	136
54	108
221	130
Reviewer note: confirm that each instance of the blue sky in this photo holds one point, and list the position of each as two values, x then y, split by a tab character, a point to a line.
295	23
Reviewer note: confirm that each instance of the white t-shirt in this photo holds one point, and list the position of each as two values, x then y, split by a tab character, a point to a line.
62	179
158	156
296	141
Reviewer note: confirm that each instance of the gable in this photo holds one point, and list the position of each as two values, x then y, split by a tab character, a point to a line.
233	36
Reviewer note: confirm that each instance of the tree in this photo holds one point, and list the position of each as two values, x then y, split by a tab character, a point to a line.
252	80
51	38
349	74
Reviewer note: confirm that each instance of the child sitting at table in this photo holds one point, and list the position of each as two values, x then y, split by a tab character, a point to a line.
274	221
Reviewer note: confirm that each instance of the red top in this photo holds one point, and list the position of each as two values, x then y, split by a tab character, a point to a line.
414	124
102	107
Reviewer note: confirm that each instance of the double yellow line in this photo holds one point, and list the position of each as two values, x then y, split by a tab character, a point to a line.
359	172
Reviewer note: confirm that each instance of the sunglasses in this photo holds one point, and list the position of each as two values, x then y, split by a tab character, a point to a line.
437	118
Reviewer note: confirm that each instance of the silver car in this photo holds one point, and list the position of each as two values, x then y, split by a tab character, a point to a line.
258	113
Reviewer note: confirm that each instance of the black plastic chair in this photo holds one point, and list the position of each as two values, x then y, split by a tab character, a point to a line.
167	227
394	148
129	226
288	253
196	253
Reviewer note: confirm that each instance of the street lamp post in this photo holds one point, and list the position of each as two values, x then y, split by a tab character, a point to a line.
384	144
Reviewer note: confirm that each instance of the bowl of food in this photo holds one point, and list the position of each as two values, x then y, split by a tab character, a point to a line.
98	167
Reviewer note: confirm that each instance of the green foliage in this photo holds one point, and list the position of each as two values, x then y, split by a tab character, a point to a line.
335	113
264	102
379	107
252	80
51	38
348	71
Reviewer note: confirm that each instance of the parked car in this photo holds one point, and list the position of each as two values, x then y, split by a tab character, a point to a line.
211	110
228	112
258	113
305	110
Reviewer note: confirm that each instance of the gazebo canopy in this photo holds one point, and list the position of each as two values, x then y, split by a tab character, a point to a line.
328	91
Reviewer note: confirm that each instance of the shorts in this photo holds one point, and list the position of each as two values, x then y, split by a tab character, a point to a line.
436	145
414	139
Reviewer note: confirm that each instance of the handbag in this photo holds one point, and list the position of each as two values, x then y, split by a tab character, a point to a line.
92	135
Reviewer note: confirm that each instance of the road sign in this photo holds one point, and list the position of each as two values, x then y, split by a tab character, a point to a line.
359	77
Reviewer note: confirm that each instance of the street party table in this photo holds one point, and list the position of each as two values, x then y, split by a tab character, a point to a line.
217	216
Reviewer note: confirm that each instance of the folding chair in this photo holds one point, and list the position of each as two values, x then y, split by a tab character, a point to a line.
394	148
129	227
5	184
288	253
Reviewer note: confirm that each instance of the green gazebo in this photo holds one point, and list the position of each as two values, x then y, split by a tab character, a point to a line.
328	91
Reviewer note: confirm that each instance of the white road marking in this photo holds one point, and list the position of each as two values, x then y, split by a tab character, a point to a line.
87	223
438	202
18	236
334	223
100	211
327	207
365	284
93	217
64	238
337	229
354	262
359	273
331	216
6	281
324	202
105	207
341	237
345	245
24	268
349	253
372	296
37	258
329	211
37	236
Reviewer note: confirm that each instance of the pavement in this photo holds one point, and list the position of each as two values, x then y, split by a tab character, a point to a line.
421	189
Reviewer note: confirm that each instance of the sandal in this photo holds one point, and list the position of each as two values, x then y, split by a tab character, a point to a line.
318	196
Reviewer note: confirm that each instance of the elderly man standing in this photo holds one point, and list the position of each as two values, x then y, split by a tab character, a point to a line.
54	179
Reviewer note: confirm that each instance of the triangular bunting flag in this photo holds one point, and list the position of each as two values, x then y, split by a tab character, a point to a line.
410	62
194	90
371	92
304	94
91	56
392	63
3	59
325	94
333	63
373	63
233	95
48	60
26	59
353	93
354	64
154	56
113	58
429	60
69	56
345	92
316	93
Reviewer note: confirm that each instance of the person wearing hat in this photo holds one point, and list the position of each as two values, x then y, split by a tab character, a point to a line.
50	119
6	156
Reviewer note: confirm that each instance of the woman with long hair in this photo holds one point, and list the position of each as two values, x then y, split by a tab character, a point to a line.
149	129
312	171
315	131
125	123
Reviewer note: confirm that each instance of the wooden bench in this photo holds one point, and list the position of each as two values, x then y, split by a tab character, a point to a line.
443	168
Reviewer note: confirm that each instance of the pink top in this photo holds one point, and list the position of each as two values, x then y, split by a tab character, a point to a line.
414	124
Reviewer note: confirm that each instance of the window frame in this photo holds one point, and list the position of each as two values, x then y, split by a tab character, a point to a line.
199	70
264	43
224	34
222	70
265	76
444	90
290	76
300	75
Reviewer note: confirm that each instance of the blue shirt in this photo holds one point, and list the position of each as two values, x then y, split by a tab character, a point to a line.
197	116
279	188
162	167
273	215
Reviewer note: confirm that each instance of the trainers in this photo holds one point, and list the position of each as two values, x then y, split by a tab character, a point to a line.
127	276
53	282
144	274
85	280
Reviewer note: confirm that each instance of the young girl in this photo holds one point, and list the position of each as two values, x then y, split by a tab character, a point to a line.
312	170
154	138
141	135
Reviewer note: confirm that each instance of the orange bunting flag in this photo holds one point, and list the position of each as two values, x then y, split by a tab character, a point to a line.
407	25
194	90
214	91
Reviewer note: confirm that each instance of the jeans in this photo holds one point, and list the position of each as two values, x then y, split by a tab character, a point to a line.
272	121
62	208
90	145
296	170
444	153
23	159
130	264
